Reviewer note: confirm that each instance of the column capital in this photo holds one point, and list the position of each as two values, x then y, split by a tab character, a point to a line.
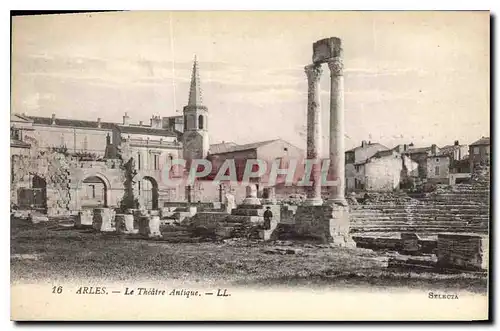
313	72
336	65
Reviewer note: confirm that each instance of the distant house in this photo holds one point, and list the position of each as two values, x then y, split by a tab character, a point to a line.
377	168
355	160
420	155
270	151
479	152
456	152
438	168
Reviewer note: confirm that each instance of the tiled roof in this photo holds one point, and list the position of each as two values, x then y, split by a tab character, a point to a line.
245	147
71	123
146	130
221	147
418	150
385	153
366	146
19	118
482	141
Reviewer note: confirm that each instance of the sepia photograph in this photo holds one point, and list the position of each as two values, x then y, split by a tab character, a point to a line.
250	166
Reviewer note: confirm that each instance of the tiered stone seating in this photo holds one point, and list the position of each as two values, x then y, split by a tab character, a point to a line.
461	208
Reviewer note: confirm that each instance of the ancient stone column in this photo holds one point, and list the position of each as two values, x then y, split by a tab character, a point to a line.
337	156
314	72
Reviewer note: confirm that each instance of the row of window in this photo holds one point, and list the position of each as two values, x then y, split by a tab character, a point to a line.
156	161
486	150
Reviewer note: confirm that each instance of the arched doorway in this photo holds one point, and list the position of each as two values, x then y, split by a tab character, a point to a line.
93	193
39	193
148	191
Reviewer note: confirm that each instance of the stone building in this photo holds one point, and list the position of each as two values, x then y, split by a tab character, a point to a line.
276	151
479	152
457	151
355	160
63	165
153	149
77	136
438	168
384	171
420	156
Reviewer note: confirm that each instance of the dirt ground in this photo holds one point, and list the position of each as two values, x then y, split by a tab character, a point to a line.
49	252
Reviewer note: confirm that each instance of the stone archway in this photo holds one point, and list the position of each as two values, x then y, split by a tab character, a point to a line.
148	192
94	192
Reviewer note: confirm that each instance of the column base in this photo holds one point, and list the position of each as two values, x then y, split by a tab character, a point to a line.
339	201
326	223
251	201
313	202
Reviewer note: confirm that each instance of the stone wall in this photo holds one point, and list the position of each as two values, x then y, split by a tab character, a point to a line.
464	251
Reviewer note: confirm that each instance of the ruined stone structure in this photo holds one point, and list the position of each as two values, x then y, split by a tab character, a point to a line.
329	220
463	208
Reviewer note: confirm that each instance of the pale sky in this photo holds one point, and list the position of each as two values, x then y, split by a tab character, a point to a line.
420	77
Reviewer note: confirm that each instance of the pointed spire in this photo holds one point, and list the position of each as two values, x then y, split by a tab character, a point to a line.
195	89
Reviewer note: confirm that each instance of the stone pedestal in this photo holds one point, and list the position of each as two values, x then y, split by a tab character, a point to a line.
103	219
266	234
328	223
84	218
36	218
269	196
230	203
125	223
251	198
149	226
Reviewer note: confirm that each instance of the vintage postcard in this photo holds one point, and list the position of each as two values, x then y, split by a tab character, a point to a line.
250	166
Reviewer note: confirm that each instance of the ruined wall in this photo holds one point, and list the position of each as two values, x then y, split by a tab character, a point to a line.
54	168
383	174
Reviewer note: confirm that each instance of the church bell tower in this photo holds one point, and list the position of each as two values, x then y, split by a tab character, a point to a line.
195	136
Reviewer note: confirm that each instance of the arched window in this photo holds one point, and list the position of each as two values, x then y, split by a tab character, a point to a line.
200	122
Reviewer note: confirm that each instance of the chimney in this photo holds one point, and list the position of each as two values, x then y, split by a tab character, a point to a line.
126	119
53	119
456	143
363	143
405	147
98	122
140	123
156	122
433	149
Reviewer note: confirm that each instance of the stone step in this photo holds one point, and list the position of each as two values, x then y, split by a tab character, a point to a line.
245	219
248	212
419	229
420	225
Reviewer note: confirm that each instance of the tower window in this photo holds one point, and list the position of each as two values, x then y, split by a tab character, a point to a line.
200	122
